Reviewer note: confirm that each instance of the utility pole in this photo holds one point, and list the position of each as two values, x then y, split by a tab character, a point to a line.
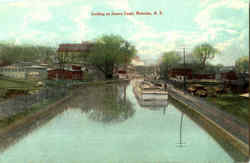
184	79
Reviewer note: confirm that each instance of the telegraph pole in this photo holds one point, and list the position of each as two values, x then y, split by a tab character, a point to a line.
184	62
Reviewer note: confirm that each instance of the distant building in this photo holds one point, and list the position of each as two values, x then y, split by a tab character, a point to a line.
204	76
227	69
13	71
228	73
180	72
71	51
137	62
36	72
24	70
74	48
246	95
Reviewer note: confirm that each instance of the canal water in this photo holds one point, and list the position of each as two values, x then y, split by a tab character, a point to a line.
106	124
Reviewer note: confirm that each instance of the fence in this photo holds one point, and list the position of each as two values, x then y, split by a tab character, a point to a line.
23	103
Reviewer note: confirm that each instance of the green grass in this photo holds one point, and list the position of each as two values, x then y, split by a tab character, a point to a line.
6	82
233	104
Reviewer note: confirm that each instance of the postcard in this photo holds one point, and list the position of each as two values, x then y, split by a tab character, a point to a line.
124	81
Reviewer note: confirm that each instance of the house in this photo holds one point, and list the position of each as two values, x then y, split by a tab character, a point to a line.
73	73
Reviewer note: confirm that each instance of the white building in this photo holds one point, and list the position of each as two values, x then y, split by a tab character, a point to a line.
137	62
24	71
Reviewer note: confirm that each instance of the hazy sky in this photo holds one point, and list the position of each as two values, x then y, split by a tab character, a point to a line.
222	23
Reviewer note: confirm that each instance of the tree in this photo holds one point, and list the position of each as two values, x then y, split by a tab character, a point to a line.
204	52
109	52
10	53
169	60
242	63
46	54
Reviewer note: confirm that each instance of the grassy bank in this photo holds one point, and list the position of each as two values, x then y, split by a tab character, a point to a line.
34	108
6	82
233	104
14	86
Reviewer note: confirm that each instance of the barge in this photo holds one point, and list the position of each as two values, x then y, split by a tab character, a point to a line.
149	94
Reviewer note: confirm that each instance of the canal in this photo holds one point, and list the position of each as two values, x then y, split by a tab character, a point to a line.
106	124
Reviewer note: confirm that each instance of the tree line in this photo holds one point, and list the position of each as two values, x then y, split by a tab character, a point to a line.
11	53
108	52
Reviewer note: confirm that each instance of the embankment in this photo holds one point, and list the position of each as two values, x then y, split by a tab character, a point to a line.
225	126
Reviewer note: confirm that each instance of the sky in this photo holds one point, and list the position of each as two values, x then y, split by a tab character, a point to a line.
221	23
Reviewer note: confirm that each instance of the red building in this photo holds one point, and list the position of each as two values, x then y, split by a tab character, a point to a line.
74	73
181	72
230	75
203	76
82	47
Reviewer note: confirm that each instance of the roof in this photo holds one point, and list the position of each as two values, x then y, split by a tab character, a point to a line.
181	69
227	69
65	69
36	67
82	47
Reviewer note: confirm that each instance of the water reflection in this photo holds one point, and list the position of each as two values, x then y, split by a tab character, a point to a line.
164	110
106	104
74	135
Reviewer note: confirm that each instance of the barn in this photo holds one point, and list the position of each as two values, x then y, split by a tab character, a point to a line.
73	73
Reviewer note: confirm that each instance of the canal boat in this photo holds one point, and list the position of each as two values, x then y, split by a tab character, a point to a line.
149	94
